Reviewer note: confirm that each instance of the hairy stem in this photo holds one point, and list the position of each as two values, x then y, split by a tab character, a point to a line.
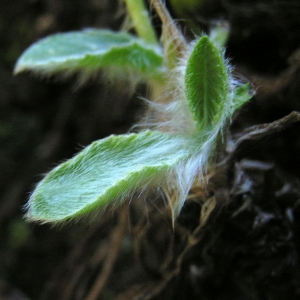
171	32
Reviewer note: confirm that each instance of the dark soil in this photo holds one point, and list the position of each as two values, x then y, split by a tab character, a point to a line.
236	240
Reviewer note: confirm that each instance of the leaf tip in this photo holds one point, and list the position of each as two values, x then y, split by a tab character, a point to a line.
18	69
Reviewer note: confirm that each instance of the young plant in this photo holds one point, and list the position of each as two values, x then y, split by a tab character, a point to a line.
184	128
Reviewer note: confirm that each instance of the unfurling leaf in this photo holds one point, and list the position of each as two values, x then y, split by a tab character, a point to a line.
242	95
105	173
90	50
206	84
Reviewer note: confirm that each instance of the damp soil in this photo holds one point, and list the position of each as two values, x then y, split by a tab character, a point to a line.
237	239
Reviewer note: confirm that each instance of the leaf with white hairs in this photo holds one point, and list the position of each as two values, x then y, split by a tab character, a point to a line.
106	172
206	84
89	50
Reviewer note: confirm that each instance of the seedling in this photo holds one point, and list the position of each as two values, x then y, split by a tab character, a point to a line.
197	98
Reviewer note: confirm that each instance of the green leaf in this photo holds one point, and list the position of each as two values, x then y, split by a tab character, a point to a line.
105	173
206	84
241	96
89	50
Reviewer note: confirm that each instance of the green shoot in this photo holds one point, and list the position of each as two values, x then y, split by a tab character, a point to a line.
178	146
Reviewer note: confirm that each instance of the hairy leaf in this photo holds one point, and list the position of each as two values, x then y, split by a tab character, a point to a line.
241	96
206	84
105	173
89	50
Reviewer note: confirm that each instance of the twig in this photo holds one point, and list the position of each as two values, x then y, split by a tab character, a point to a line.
257	132
112	254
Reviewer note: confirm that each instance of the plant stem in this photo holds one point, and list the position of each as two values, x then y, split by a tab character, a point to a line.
174	43
141	20
171	30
